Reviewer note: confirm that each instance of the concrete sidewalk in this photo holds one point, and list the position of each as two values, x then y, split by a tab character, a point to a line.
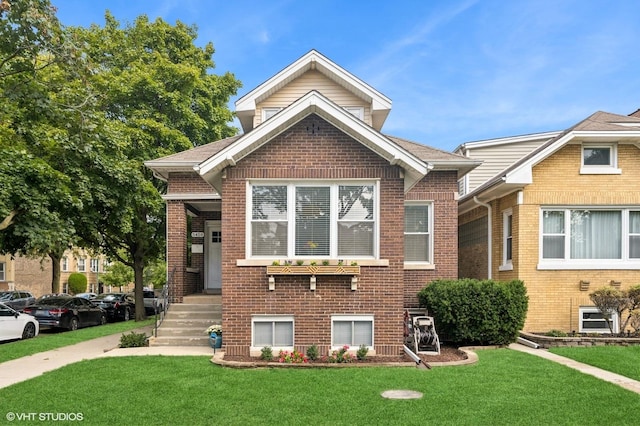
625	382
25	368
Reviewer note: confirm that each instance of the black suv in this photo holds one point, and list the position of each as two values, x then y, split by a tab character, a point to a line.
17	299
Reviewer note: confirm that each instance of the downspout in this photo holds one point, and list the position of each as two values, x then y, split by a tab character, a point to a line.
489	234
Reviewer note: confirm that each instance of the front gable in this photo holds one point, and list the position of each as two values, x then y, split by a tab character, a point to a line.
314	103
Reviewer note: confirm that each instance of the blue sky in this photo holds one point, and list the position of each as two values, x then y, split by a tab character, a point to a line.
456	70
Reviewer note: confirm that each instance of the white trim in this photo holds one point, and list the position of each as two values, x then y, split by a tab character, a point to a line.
507	264
256	350
624	262
358	317
333	185
314	103
593	309
429	264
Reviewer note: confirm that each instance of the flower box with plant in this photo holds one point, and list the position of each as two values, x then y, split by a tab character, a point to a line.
214	329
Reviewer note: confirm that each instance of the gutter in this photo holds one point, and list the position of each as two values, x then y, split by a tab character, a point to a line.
489	234
416	358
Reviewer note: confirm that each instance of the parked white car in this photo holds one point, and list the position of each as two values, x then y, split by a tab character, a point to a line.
16	325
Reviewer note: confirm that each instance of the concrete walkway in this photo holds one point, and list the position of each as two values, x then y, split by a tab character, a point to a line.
25	368
617	379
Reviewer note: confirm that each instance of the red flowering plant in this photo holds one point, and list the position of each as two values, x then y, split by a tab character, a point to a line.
341	355
293	357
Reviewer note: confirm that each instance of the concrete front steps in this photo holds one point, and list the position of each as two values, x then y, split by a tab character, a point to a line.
184	323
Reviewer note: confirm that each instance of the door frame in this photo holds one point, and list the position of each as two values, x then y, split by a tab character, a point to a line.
210	225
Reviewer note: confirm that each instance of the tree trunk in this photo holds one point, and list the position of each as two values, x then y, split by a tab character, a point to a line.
8	220
138	274
55	275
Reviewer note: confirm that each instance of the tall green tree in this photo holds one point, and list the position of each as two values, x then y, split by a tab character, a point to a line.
158	97
43	98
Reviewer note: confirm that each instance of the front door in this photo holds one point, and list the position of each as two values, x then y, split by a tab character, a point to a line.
213	264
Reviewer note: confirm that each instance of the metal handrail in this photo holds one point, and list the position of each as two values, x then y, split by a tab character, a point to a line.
159	316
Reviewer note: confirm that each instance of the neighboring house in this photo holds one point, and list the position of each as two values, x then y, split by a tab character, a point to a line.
565	219
312	180
25	274
34	275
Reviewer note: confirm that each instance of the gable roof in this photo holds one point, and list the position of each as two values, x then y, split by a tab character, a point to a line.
598	127
313	60
314	103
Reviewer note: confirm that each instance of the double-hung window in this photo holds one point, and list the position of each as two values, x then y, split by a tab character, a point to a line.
313	220
507	240
3	271
82	264
94	265
591	237
418	232
65	264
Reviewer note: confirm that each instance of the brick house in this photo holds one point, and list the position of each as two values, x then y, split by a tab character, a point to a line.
564	217
312	180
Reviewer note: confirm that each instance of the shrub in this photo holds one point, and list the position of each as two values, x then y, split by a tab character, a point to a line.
476	312
133	340
77	283
266	353
556	333
362	352
612	301
313	353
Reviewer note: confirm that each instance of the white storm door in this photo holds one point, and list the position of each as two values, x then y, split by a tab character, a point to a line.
213	264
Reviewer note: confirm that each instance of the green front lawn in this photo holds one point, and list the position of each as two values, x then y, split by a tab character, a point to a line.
47	341
624	360
504	388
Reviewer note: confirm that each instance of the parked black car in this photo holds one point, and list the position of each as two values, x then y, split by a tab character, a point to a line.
117	305
67	312
17	299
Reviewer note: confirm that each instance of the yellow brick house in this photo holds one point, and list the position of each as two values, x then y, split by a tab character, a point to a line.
564	218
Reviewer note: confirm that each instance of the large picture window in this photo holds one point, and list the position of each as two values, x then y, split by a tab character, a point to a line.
313	220
590	235
418	235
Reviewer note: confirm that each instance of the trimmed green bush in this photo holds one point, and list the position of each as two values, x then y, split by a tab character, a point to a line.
77	283
134	340
474	312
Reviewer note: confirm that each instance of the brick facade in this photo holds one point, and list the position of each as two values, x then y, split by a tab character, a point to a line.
555	295
325	153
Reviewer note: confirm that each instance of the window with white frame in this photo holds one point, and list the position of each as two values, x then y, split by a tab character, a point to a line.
267	113
323	220
599	158
593	321
507	237
3	273
590	234
82	264
418	232
65	264
273	331
352	330
94	265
